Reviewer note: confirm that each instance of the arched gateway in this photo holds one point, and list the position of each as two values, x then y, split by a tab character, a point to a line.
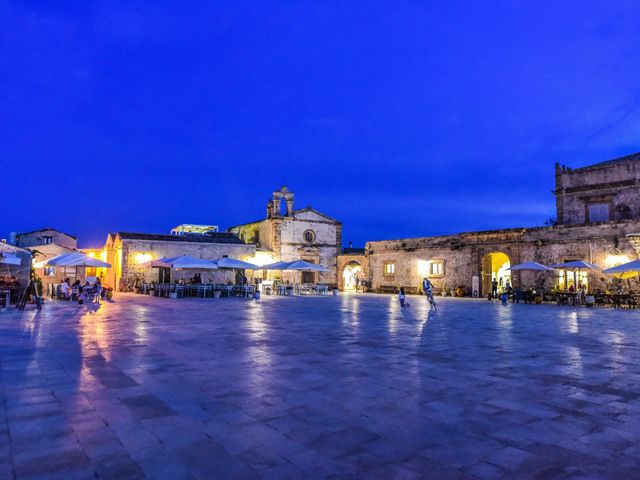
351	276
495	265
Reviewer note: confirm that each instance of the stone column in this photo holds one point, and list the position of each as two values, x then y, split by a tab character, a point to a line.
276	205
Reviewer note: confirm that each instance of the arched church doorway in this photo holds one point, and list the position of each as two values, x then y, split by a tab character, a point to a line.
495	266
351	276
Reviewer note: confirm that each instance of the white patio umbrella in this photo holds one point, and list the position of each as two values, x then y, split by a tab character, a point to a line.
76	259
235	264
532	266
185	261
577	266
627	270
302	266
277	266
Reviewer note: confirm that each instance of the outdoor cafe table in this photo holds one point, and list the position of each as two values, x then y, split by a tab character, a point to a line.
567	298
617	300
311	289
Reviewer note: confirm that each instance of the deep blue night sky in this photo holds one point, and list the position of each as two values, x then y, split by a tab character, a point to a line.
400	119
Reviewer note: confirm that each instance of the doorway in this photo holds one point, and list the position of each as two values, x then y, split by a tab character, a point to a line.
351	276
495	266
308	277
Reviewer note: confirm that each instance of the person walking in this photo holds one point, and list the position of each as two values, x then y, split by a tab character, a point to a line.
427	288
402	298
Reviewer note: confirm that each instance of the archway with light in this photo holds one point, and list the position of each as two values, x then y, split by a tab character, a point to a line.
351	275
495	266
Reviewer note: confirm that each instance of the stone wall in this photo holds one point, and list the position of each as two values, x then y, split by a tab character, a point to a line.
323	250
615	183
127	268
33	239
602	244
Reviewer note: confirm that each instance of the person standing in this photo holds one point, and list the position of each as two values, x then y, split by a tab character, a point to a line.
494	289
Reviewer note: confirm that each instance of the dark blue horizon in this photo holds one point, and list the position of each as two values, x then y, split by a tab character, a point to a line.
400	119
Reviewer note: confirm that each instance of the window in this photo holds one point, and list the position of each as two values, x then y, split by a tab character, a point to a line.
389	268
598	212
309	236
47	239
577	280
49	271
436	268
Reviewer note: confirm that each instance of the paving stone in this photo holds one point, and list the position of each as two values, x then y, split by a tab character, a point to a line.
337	387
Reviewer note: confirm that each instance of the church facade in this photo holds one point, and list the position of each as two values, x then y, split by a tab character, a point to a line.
287	234
598	220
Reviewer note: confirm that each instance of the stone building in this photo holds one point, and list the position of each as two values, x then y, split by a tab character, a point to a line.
289	234
47	243
604	192
598	221
130	254
46	236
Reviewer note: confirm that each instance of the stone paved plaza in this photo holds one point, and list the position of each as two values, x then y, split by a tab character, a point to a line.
335	387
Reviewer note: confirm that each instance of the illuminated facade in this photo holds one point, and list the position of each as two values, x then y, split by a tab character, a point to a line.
290	234
130	254
598	221
47	243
